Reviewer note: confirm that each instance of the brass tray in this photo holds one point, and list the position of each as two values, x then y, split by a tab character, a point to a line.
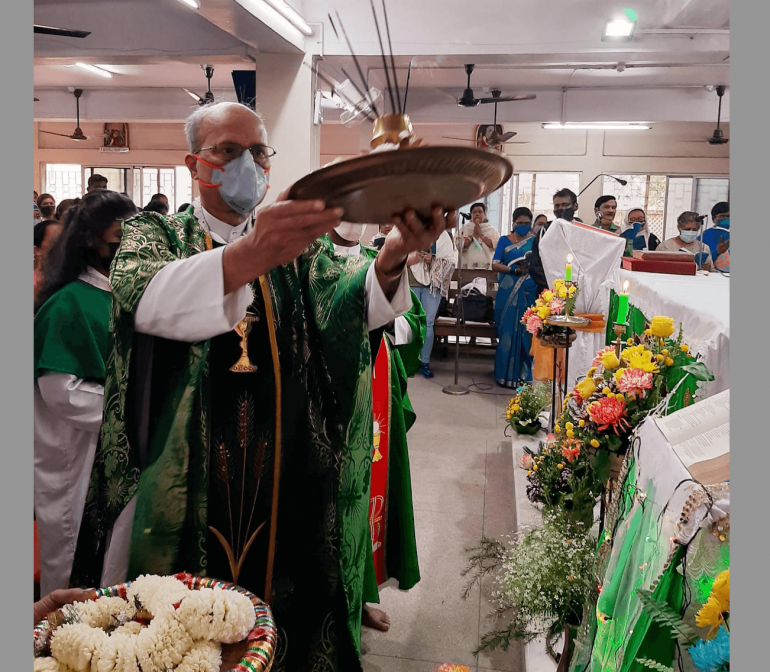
374	187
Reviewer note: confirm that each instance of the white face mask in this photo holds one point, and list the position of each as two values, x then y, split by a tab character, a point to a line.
350	232
688	236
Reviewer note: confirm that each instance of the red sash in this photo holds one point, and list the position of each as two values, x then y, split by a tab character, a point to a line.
381	402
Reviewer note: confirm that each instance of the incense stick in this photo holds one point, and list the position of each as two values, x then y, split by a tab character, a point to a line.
384	60
392	61
355	60
406	91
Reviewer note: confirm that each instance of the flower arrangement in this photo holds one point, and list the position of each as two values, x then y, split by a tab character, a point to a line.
557	301
159	623
543	576
524	410
619	392
561	475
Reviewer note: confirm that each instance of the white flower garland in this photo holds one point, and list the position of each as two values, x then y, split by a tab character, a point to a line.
184	633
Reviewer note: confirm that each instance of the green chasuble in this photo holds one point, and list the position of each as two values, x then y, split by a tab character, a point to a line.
198	443
72	332
400	543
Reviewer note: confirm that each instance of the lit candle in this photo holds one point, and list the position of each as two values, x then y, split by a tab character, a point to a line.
623	304
568	272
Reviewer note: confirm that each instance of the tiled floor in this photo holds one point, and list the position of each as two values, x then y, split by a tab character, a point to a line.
462	485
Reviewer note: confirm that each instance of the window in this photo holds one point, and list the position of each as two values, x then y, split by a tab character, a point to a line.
642	191
665	197
536	190
117	178
63	180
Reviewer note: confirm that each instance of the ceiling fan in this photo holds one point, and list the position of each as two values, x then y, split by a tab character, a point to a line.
469	100
208	97
78	134
718	137
493	138
61	32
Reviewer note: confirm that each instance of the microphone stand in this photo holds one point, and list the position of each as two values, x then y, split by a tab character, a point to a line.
623	183
456	389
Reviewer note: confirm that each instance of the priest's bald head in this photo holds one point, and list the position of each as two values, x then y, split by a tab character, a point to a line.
224	140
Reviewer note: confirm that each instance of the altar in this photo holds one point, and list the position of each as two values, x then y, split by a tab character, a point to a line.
700	302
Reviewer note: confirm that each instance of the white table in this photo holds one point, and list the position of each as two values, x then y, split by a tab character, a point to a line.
700	302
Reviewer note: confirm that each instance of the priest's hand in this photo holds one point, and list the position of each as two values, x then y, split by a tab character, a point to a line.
409	235
58	598
282	232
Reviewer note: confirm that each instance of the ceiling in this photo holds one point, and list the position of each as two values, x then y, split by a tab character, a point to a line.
155	47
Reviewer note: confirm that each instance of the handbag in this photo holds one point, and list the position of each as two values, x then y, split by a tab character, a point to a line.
475	307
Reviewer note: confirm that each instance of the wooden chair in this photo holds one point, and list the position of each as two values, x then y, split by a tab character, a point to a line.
445	326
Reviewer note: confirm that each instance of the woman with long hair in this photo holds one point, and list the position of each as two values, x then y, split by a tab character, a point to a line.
46	232
516	292
71	345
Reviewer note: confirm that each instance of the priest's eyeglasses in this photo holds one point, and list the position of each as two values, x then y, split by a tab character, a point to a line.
228	151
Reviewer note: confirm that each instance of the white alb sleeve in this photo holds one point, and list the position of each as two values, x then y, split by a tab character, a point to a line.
78	402
380	311
186	301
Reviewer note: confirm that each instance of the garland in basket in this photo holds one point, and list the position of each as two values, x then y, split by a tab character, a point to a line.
157	624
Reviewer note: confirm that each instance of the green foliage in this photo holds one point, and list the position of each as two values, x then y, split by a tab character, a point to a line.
665	615
528	404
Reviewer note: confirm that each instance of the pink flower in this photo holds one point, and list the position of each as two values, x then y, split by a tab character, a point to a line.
534	324
557	306
551	438
634	381
598	359
526	461
608	412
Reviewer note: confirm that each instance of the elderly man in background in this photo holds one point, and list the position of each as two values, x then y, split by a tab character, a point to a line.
241	362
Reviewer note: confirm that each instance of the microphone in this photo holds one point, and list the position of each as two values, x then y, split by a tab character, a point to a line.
617	179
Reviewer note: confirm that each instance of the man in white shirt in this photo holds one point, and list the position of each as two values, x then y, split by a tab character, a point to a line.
241	369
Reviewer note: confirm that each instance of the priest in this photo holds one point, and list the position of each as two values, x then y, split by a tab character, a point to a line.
237	440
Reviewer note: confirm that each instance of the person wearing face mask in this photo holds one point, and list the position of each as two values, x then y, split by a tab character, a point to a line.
516	292
71	345
378	240
396	355
636	231
241	370
47	206
538	224
718	236
478	238
565	206
689	224
605	209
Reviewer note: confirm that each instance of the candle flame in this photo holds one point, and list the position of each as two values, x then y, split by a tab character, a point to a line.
569	258
625	286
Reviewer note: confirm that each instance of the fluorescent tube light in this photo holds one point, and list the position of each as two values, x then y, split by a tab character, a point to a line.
599	126
291	15
195	4
95	70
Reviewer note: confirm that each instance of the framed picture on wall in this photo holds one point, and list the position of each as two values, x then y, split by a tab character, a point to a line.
482	133
115	138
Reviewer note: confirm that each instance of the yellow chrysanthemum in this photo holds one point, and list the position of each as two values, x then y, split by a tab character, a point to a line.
560	466
562	293
630	341
586	387
594	443
570	434
721	589
534	468
548	296
662	326
569	425
529	473
664	352
684	347
610	360
606	391
557	429
709	615
642	361
659	358
591	371
582	423
516	407
543	312
669	361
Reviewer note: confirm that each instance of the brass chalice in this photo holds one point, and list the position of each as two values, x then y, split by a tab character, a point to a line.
243	328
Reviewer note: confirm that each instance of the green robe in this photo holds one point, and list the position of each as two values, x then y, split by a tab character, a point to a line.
313	327
401	545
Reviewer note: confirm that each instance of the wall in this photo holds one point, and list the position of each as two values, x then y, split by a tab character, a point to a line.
668	148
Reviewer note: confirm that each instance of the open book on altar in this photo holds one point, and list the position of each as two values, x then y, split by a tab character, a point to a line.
700	437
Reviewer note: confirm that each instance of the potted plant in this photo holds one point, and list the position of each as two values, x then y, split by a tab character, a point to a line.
524	410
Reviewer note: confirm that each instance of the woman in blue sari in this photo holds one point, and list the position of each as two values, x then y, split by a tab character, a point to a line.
516	292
